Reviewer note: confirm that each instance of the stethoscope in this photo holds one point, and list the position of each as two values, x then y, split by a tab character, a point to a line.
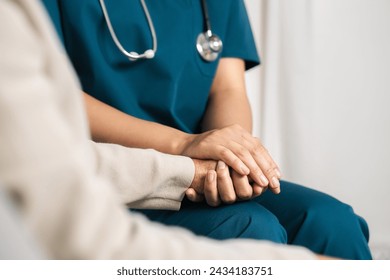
208	44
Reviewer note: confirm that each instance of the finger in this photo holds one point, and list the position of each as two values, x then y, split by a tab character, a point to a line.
243	189
268	157
211	145
210	189
243	154
271	174
275	185
267	165
224	183
193	196
247	148
226	155
278	172
258	190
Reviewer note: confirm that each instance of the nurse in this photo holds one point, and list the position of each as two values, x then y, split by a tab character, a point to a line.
179	102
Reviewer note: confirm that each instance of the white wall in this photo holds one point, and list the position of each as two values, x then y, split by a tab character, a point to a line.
321	99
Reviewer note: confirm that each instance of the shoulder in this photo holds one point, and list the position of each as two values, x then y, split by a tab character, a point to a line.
227	15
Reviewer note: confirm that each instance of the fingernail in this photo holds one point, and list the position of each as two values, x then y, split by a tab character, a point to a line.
275	183
210	176
221	165
264	180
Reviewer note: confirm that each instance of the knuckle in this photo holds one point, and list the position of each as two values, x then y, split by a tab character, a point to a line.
229	199
243	189
245	196
241	152
235	162
203	144
257	140
256	170
214	203
269	172
258	148
223	173
245	193
257	193
224	153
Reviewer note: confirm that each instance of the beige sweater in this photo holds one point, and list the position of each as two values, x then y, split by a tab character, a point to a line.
71	191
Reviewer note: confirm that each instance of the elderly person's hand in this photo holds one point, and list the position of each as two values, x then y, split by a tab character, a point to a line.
214	183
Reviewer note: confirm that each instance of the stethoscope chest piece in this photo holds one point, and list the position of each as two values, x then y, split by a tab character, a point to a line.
209	46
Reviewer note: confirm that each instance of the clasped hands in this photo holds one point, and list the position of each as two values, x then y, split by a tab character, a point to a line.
230	165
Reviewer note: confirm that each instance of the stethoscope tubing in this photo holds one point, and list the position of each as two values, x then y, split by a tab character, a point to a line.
208	44
206	18
131	55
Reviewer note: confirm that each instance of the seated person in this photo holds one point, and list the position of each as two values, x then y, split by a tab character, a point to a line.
72	192
180	103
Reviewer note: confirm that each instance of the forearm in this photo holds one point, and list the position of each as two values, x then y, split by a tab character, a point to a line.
227	109
228	101
109	125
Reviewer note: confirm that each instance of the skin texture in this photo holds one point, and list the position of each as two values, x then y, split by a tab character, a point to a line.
227	137
217	186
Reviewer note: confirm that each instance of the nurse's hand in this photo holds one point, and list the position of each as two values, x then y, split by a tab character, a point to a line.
238	149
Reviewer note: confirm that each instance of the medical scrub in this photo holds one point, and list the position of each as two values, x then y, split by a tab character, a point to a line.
172	89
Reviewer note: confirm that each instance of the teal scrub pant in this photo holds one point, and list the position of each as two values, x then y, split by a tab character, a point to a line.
298	216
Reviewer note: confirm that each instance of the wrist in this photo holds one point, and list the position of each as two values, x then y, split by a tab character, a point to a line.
182	142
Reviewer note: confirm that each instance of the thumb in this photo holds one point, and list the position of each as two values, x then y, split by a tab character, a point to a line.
193	196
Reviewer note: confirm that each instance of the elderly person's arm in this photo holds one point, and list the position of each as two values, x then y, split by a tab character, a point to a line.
49	167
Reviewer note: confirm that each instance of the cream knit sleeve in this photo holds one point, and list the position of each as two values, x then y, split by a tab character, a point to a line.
144	178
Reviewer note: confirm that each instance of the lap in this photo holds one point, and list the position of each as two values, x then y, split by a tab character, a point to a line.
267	210
298	215
246	219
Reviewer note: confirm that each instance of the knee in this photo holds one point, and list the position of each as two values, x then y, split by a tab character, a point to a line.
330	215
338	231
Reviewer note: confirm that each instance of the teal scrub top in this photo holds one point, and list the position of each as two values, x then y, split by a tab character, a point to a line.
173	87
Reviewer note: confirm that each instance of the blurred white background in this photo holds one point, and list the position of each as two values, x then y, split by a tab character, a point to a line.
321	99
